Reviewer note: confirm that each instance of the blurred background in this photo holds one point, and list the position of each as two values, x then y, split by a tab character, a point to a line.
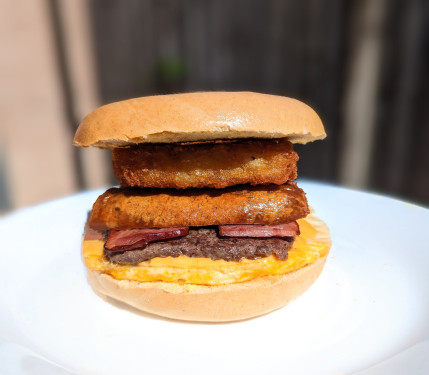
362	65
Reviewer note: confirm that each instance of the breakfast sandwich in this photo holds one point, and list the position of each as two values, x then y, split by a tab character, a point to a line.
208	223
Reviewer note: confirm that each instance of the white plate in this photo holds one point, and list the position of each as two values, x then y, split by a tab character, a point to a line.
370	303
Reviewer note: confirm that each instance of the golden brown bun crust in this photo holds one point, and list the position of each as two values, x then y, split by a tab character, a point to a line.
214	303
198	117
209	303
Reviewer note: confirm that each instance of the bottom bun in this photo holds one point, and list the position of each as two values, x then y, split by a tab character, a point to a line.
209	303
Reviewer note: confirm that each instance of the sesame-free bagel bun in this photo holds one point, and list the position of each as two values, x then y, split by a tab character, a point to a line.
200	116
214	303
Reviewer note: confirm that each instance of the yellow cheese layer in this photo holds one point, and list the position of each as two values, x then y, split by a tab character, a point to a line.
306	249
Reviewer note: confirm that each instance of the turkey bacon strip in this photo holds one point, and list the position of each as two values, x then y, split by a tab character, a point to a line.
280	230
123	240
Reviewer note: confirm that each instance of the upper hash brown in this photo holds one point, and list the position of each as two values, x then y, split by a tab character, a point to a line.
214	165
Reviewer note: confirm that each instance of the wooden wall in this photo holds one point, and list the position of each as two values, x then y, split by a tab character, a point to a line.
283	47
401	157
305	49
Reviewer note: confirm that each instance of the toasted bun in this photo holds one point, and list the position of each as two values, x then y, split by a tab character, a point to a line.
213	303
209	303
199	117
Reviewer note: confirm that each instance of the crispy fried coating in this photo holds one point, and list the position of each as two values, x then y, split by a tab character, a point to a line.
214	165
155	208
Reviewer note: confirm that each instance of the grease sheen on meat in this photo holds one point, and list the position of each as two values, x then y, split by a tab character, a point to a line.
163	208
214	164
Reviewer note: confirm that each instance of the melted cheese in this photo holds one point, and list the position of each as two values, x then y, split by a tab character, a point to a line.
306	249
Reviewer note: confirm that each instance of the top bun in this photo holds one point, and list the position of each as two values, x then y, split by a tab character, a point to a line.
199	116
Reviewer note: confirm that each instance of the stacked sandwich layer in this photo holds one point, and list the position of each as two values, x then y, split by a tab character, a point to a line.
202	213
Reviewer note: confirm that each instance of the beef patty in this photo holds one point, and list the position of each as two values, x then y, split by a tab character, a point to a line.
206	243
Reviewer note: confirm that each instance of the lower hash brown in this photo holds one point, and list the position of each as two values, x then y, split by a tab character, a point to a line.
163	208
215	165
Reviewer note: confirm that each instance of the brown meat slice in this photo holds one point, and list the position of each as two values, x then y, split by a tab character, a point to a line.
280	230
90	234
214	165
122	240
163	208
